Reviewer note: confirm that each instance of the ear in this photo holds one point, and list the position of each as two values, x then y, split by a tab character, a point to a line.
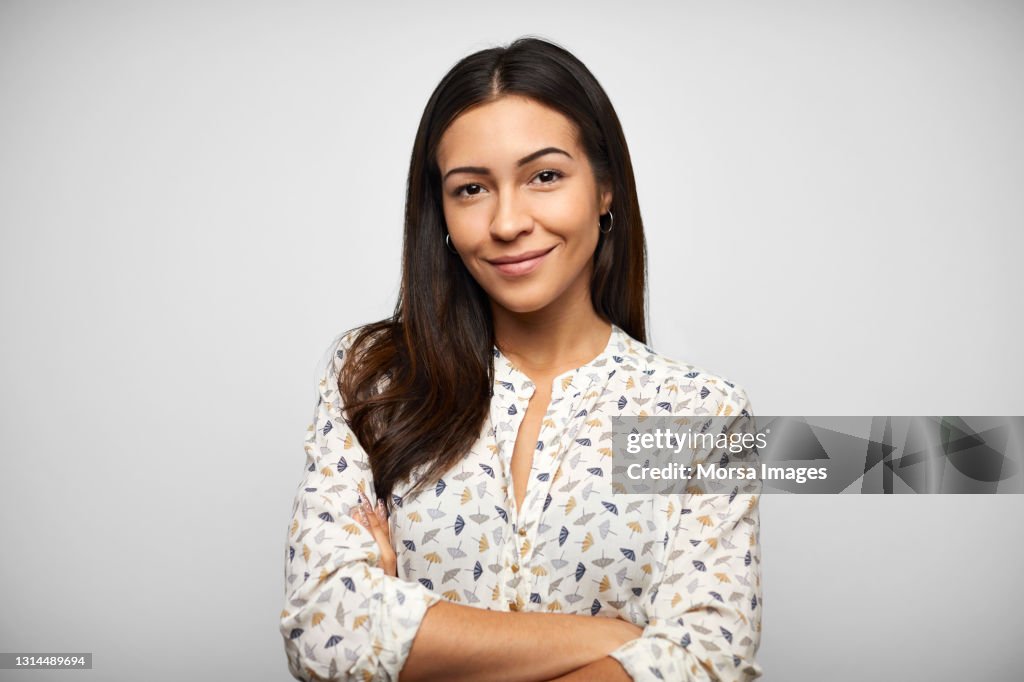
606	199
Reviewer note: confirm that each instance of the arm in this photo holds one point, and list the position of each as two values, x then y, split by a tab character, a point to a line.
346	619
606	669
705	620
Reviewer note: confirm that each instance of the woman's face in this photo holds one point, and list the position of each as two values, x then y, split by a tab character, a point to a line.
515	185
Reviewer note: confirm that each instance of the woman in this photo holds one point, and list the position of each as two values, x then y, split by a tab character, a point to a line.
476	421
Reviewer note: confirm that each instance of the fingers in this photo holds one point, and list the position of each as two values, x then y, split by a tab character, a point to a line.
375	521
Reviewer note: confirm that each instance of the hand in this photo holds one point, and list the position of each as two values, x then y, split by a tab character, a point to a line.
375	520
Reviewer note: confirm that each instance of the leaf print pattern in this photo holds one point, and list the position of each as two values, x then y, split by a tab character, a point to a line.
686	567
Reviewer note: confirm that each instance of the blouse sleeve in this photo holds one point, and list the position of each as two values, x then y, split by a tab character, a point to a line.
343	617
704	621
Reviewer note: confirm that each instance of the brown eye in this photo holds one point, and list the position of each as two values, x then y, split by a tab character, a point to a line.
548	177
475	187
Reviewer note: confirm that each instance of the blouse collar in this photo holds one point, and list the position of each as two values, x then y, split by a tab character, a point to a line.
508	377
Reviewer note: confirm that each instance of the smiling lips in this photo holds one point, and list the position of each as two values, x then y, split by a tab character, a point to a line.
520	264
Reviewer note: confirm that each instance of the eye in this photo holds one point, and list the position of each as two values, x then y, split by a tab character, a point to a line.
552	174
458	190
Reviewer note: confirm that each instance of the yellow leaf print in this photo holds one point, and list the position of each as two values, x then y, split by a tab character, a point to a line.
324	575
451	595
704	520
415	517
713	542
676	599
554	606
630	383
595	422
360	621
432	557
723	577
671	510
349	441
495	593
317	617
588	542
635	527
306	552
570	505
566	381
484	544
539	570
646	568
604	585
466	495
525	548
295	527
728	410
326	471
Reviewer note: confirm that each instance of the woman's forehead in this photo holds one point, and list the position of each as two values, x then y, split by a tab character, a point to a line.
504	131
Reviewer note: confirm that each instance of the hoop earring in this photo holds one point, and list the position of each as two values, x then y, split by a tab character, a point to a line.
448	242
611	224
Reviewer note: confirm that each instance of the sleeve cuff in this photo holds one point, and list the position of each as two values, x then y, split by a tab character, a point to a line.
405	604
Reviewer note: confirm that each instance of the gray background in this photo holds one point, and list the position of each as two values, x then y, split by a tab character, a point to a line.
195	197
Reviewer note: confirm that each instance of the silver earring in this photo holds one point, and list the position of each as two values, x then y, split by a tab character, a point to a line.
448	241
611	223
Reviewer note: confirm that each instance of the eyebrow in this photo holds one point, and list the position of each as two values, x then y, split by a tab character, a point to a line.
480	170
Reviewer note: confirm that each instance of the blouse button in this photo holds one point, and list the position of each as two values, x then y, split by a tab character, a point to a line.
522	531
515	568
513	606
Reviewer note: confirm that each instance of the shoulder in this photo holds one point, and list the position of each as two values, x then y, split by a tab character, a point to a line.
325	376
689	388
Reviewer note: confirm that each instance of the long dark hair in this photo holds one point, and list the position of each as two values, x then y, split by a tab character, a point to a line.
417	386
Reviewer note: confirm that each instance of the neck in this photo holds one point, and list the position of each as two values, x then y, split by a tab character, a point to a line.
550	341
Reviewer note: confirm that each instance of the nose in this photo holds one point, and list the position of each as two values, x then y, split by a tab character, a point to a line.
511	217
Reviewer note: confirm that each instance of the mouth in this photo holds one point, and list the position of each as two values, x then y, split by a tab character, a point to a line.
521	264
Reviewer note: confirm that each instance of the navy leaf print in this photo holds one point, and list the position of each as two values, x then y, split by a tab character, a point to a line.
502	513
699	565
580	570
459	524
595	607
562	536
294	633
333	641
487	469
610	507
628	553
596	471
326	516
439	488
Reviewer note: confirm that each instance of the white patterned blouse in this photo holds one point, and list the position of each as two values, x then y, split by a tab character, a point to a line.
685	567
